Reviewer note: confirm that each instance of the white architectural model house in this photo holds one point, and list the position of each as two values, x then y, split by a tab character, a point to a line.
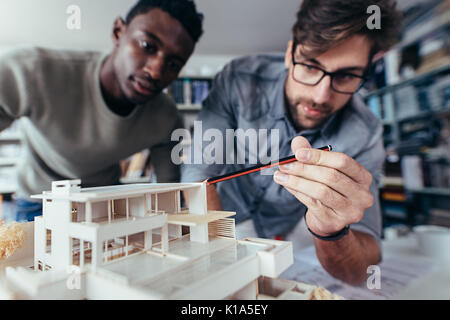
126	242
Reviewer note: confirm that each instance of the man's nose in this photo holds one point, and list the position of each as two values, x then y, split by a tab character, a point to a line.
154	67
322	91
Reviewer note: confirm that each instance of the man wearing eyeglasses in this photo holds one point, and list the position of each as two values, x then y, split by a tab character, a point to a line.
309	96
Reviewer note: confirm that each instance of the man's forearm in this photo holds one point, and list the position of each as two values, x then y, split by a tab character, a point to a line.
348	258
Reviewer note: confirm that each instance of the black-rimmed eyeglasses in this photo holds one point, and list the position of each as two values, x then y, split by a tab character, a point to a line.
341	82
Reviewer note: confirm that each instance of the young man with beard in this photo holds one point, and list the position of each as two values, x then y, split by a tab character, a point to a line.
309	96
83	112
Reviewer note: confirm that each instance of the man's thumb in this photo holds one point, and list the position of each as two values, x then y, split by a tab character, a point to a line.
299	142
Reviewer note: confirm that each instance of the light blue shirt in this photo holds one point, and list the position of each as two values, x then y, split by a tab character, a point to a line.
249	93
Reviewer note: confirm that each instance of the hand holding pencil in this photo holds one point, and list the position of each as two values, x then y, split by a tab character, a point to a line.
256	168
333	186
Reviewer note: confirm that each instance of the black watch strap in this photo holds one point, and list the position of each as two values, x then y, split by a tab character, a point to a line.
336	236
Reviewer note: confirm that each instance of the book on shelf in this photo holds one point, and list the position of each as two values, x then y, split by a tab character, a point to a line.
424	47
439	217
200	90
407	103
434	52
392	181
395	211
392	188
440	213
387	110
189	91
176	91
435	15
374	105
437	173
393	196
412	170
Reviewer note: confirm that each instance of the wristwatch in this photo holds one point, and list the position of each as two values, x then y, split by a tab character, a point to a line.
336	236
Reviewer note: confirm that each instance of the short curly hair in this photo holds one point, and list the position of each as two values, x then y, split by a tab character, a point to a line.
184	11
323	24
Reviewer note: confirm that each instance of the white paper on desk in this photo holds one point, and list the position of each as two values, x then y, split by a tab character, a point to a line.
397	273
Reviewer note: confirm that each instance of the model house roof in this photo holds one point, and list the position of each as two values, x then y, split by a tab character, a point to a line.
111	192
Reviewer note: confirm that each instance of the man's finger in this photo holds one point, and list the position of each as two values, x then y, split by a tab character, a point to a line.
336	160
321	217
314	190
328	176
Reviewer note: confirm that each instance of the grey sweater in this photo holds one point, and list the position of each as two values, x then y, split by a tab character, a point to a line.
69	132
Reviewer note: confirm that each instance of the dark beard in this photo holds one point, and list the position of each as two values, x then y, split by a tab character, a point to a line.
294	115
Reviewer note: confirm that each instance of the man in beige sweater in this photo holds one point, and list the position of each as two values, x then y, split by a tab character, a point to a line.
83	112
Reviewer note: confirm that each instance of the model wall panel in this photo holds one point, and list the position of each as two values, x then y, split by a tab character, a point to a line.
224	283
81	211
103	288
57	219
39	239
120	207
167	201
99	210
137	206
82	231
123	228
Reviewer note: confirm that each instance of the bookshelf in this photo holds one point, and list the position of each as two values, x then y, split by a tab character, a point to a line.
438	72
412	106
411	95
434	16
188	93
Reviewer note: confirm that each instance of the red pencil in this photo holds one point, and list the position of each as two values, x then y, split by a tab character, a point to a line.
257	168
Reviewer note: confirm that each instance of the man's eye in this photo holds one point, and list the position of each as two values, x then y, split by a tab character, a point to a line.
345	77
310	69
147	46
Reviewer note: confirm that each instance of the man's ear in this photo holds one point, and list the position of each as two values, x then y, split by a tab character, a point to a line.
377	56
288	55
118	30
